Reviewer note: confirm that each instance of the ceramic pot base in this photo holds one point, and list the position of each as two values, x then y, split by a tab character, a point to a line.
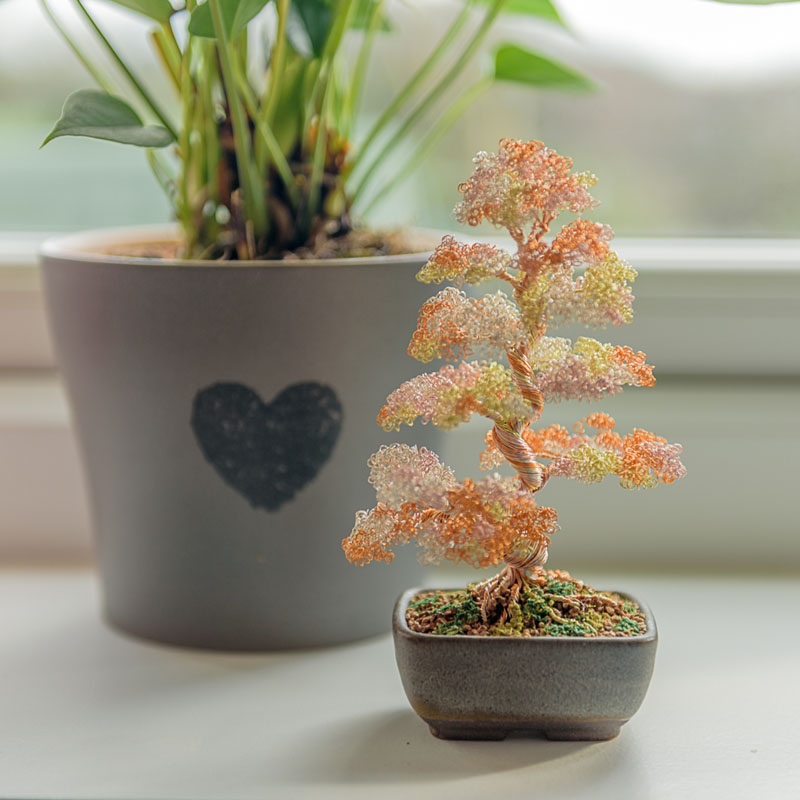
567	731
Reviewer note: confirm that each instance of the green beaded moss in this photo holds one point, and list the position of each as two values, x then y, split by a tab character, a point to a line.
553	606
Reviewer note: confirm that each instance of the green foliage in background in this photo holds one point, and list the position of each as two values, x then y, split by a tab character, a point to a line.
258	155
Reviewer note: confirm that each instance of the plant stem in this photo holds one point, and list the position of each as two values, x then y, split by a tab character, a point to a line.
185	151
93	70
169	53
207	75
353	97
434	94
344	10
277	62
318	163
433	138
414	82
166	183
253	111
253	200
205	153
141	91
269	141
311	73
199	193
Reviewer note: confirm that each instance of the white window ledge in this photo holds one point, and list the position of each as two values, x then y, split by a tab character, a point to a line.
91	714
704	306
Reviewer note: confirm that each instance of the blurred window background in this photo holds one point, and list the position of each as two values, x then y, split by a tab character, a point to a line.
692	130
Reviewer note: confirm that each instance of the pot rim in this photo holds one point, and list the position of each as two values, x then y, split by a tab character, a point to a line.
87	246
400	627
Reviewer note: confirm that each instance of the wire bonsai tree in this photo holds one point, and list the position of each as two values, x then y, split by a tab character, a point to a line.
259	152
572	276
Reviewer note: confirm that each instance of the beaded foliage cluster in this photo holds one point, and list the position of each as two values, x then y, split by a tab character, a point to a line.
506	368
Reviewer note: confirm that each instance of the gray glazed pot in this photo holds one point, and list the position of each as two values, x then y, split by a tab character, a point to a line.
485	687
225	415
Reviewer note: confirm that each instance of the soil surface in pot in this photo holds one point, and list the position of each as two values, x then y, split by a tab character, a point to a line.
550	603
357	243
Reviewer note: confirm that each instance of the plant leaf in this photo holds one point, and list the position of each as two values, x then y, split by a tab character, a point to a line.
236	14
90	112
308	26
159	10
512	63
544	9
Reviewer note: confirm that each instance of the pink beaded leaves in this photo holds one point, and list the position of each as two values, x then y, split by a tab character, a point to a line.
505	368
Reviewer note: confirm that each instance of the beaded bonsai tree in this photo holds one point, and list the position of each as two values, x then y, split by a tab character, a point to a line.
523	188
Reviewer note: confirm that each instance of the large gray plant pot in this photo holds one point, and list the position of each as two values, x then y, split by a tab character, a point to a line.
225	415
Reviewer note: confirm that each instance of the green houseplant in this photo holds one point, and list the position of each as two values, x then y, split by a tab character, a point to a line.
219	392
528	648
263	158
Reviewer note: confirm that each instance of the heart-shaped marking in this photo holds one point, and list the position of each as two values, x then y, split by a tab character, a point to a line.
267	451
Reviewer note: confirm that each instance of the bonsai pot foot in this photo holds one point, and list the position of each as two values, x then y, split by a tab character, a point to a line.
575	731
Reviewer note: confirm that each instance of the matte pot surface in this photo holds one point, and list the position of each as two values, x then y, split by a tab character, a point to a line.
562	687
225	414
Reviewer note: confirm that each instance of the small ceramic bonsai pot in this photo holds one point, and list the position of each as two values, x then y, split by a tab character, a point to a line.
566	688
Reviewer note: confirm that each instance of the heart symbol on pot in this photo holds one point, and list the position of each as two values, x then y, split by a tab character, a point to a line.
267	451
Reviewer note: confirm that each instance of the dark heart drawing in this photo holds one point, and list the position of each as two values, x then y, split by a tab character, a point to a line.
267	451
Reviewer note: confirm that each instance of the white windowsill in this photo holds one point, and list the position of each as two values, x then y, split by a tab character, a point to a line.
93	714
704	306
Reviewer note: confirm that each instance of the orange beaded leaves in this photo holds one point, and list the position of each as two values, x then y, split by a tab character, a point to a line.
572	277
